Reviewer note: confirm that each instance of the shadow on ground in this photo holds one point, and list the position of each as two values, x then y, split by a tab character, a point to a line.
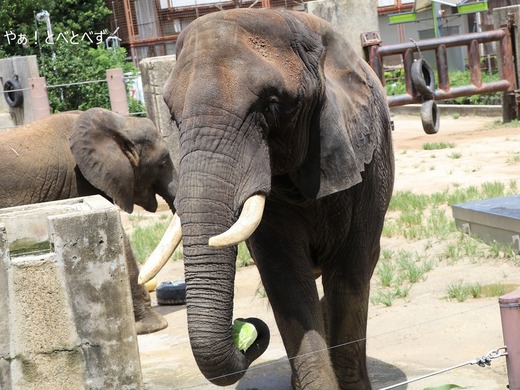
276	375
383	374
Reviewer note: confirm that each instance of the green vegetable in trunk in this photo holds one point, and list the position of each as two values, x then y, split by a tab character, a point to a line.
244	334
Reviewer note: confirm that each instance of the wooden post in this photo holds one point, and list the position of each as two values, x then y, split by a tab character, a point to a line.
117	91
510	315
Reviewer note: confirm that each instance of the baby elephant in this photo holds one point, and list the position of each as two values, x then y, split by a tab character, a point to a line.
86	153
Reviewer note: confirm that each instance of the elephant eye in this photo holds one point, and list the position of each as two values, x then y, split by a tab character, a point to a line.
272	111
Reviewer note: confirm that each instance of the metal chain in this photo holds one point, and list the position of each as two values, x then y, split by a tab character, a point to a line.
416	47
481	361
486	359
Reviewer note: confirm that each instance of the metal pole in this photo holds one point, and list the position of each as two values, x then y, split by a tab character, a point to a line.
510	315
117	91
436	8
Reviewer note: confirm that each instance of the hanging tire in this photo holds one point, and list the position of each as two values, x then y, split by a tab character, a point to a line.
430	117
423	78
171	293
13	95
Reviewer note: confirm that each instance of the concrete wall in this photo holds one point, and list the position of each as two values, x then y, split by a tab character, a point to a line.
67	320
154	73
25	68
351	17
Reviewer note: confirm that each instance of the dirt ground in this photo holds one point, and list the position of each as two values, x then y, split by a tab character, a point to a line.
421	334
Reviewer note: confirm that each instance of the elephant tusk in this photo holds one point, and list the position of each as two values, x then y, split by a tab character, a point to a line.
247	223
169	242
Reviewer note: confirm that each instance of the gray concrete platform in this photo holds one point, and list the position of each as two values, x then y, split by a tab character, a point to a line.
492	220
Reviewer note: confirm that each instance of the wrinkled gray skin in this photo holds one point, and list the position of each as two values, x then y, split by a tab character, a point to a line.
95	152
277	103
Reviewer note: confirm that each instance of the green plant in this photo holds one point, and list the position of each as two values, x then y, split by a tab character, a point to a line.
243	257
260	292
447	386
438	145
385	298
84	63
385	271
461	292
457	291
475	290
144	240
411	269
402	292
514	158
396	85
461	78
455	155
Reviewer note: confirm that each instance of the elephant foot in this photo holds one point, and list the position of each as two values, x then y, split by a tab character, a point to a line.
149	322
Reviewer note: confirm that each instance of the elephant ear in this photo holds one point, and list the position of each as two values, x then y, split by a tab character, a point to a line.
348	120
104	155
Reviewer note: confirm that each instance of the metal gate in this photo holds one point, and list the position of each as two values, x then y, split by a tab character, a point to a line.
419	78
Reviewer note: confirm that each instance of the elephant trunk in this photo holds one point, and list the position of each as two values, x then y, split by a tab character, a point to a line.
204	205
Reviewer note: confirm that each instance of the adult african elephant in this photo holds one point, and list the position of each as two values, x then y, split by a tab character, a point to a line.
275	107
122	158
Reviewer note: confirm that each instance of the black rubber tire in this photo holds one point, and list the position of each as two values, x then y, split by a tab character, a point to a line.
171	293
430	117
13	96
423	78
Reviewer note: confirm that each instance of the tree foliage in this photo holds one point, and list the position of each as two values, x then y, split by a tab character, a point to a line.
77	54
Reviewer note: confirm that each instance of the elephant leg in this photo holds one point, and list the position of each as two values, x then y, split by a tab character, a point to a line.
146	320
346	283
288	279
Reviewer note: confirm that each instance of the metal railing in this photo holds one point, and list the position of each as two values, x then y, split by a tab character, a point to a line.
440	45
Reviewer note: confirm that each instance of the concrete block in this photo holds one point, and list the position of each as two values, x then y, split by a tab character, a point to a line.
25	68
5	380
154	73
348	17
492	220
70	321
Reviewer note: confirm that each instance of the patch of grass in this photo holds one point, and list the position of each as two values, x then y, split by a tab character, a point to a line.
457	291
463	246
493	189
385	298
438	145
455	155
412	267
497	289
144	239
461	292
425	217
498	123
514	158
243	257
385	271
455	116
260	292
498	250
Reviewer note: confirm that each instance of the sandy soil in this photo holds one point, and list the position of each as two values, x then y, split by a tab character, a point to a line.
416	336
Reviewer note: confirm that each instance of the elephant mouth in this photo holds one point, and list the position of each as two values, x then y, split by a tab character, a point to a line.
241	230
149	203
